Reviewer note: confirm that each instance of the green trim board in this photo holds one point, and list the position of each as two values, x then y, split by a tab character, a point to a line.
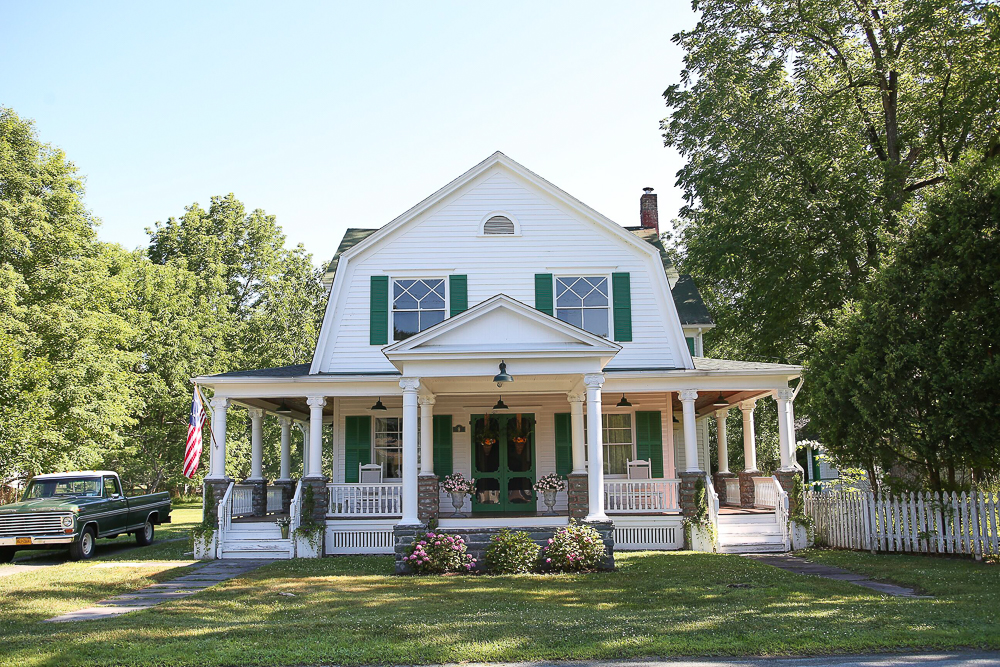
621	290
378	305
543	293
443	459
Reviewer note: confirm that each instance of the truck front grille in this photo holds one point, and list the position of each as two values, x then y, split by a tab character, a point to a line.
31	524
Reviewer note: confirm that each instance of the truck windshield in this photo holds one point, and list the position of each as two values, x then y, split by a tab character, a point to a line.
63	487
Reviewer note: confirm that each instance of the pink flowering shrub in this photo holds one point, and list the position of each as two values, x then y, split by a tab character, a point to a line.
437	553
576	548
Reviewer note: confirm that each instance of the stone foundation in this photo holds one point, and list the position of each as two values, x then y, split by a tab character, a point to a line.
687	491
258	495
577	498
211	511
787	480
478	540
320	499
748	495
719	480
428	498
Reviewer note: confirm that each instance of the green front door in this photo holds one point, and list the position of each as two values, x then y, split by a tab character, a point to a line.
503	462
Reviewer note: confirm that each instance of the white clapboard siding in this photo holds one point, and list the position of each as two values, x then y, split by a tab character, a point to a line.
446	240
964	523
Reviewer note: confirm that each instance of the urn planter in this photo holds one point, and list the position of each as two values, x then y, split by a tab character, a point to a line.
549	498
457	501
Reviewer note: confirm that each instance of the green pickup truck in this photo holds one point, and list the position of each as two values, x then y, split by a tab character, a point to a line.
73	509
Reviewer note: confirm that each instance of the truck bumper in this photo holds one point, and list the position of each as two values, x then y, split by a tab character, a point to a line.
54	539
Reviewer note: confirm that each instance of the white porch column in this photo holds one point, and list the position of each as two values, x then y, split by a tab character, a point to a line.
576	429
217	464
304	429
688	397
316	404
256	444
783	398
286	460
791	432
720	430
410	387
595	440
749	437
426	435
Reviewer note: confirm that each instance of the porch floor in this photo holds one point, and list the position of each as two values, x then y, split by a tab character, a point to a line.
726	509
270	518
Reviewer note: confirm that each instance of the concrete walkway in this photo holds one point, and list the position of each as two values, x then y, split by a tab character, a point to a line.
802	566
205	576
938	659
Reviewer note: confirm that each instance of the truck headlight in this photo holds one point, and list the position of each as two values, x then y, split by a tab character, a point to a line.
67	521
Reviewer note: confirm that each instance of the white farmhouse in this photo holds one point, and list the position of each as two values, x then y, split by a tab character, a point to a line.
504	330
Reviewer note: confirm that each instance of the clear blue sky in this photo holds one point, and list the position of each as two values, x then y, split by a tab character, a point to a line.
336	115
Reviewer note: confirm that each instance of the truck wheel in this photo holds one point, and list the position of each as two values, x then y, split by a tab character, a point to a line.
7	554
144	536
83	548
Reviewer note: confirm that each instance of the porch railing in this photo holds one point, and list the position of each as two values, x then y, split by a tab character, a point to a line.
225	515
635	496
732	491
295	509
781	510
242	500
713	504
765	492
365	499
275	496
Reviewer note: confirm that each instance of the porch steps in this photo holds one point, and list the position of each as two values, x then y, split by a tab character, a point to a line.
749	533
256	540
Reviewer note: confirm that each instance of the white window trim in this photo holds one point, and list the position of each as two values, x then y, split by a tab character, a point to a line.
612	411
586	274
392	291
389	414
480	231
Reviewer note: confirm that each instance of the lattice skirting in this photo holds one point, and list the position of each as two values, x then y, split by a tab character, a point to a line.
355	537
634	534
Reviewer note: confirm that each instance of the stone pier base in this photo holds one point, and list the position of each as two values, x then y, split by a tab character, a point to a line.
748	496
719	480
428	498
211	509
578	499
287	487
787	480
687	491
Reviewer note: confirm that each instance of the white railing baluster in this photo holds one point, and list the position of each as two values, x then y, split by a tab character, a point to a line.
635	496
365	499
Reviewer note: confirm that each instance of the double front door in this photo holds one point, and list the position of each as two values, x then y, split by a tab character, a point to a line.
503	462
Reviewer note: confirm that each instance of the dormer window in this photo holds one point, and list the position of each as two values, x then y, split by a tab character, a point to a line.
583	302
498	224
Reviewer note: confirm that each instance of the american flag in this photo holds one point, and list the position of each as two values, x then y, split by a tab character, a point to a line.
192	450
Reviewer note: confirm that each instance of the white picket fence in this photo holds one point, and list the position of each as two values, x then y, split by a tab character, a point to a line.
916	522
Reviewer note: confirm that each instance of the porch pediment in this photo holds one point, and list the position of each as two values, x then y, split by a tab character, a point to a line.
502	326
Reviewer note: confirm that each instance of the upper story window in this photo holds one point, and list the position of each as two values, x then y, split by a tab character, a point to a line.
498	224
583	302
416	305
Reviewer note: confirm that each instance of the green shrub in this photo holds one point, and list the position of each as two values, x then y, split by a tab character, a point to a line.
437	553
576	548
512	553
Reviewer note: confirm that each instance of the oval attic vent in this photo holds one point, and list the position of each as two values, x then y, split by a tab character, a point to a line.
498	224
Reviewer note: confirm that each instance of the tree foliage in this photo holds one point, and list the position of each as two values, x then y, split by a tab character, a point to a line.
907	375
807	126
98	344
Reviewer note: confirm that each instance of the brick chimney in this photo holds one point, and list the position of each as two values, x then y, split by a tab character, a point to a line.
649	217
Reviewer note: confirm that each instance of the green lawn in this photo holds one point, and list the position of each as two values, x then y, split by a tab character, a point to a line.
352	611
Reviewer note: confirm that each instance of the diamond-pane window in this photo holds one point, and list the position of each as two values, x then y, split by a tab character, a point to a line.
583	302
416	305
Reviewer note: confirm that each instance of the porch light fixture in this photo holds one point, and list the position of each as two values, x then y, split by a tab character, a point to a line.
378	405
676	420
502	376
501	405
283	409
624	403
720	402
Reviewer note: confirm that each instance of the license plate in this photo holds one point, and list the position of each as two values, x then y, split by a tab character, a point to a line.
22	541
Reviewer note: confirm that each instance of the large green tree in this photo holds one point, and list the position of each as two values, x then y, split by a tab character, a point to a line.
807	126
906	377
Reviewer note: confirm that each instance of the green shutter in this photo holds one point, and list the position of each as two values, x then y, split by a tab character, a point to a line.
649	441
621	288
690	342
458	286
543	292
378	329
564	443
442	445
357	445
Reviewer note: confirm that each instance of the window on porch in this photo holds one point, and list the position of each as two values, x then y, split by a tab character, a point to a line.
388	446
619	443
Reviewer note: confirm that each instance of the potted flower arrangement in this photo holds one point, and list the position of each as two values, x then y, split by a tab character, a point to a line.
549	485
459	488
284	523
